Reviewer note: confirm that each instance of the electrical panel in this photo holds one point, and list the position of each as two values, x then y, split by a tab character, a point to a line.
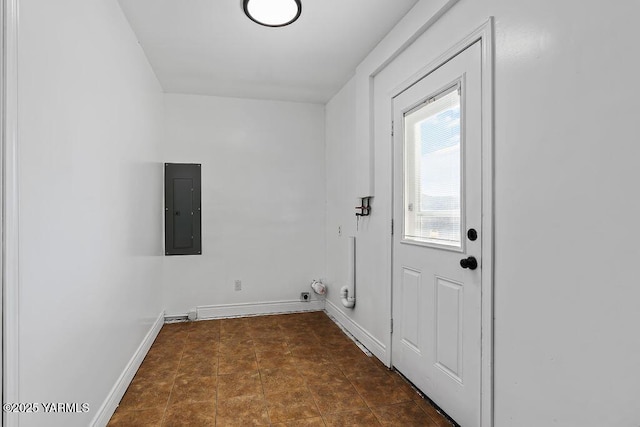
182	210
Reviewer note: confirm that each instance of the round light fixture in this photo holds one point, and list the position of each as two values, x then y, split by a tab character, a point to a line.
272	13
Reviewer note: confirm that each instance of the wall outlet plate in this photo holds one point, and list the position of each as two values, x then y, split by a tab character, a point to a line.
237	285
305	296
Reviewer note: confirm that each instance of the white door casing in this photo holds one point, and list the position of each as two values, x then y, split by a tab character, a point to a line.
10	213
437	304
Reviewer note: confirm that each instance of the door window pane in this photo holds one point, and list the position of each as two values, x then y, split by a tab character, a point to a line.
432	171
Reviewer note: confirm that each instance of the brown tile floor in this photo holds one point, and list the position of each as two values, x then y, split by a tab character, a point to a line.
282	370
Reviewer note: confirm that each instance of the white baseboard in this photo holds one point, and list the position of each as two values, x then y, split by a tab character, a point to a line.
369	341
252	309
112	401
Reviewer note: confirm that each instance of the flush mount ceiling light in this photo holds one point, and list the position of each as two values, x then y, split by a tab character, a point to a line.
272	13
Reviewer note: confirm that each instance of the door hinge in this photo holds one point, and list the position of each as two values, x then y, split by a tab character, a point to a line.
392	227
392	124
391	325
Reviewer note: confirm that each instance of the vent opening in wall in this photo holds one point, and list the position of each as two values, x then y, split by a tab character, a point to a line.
182	210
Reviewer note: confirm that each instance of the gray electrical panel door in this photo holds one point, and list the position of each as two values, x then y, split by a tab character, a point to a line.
182	211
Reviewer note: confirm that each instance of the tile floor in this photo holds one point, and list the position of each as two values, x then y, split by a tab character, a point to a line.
281	370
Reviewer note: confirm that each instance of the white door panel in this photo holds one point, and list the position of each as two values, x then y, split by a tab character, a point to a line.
437	198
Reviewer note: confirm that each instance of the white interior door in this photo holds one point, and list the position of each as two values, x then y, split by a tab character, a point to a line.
437	240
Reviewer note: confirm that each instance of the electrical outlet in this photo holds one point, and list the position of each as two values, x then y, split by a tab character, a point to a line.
305	297
339	230
237	285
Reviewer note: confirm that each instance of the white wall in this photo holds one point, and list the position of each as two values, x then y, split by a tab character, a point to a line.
340	131
566	348
566	206
370	317
263	206
90	198
341	221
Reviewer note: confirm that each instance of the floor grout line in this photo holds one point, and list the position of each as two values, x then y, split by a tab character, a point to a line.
264	395
215	420
306	384
173	384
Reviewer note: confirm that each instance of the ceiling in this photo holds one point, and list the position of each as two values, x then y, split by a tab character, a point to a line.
210	47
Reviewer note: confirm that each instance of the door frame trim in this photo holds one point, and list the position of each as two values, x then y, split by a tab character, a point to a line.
10	211
483	34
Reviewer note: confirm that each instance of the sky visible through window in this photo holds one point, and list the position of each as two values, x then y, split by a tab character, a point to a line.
440	157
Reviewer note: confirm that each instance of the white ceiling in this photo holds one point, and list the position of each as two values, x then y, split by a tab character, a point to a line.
210	47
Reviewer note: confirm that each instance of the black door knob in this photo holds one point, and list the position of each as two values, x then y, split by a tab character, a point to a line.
471	263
